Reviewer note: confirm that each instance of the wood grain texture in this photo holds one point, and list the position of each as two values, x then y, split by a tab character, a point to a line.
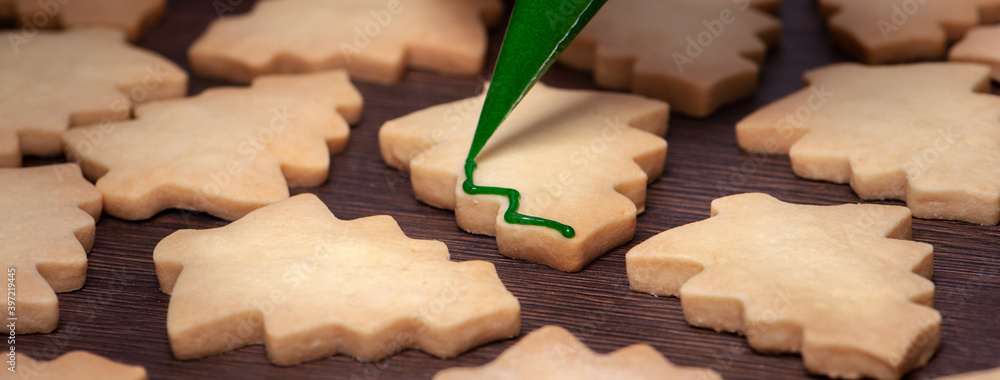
121	313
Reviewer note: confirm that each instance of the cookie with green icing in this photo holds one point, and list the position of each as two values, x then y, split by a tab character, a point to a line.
581	158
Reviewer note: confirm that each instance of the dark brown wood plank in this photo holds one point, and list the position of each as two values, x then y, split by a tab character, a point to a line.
121	313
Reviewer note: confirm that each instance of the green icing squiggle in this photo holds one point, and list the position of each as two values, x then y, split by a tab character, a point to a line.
538	31
514	202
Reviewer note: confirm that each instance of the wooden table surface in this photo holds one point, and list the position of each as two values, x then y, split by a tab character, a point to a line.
121	313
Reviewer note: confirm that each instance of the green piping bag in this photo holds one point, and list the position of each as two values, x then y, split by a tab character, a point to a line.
538	31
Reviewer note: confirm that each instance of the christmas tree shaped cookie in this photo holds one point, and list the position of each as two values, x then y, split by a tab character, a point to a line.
980	45
226	151
47	216
551	353
992	374
129	16
695	54
374	41
888	31
581	158
308	285
839	284
925	133
78	77
76	365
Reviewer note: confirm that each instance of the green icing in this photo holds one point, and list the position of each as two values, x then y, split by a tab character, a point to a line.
539	30
514	198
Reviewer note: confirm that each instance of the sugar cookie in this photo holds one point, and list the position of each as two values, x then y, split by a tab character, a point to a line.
892	31
552	353
76	365
372	40
840	284
695	54
581	158
309	285
926	133
129	16
992	374
77	77
980	45
226	151
47	228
